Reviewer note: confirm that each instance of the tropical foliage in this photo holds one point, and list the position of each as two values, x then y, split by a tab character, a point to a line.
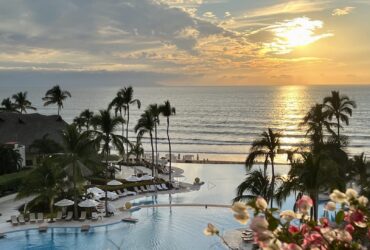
7	106
57	96
21	103
10	160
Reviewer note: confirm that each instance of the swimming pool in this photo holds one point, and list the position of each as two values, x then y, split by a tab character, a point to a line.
158	228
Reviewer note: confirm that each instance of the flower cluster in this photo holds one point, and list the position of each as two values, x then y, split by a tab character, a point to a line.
287	230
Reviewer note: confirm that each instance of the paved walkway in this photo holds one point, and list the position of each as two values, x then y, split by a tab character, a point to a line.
186	205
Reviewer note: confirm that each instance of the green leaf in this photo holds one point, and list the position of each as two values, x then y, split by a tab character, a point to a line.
339	217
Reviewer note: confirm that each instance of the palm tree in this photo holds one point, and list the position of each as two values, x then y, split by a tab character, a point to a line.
87	116
79	151
10	160
45	181
311	174
155	111
128	99
8	106
340	107
167	111
357	170
257	184
56	96
79	122
144	125
106	125
45	146
315	120
266	147
137	149
21	103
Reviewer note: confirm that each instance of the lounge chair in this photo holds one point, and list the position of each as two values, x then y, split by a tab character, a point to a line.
138	190
164	186
129	192
144	189
83	216
69	216
159	187
14	220
85	228
149	188
21	219
94	216
43	227
59	216
32	218
40	217
121	194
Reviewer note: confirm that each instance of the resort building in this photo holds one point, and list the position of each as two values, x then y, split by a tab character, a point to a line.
23	129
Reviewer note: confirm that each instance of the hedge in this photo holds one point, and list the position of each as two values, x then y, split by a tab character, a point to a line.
10	183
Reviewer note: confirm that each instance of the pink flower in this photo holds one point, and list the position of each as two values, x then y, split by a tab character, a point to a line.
311	240
349	228
324	222
304	204
293	229
291	246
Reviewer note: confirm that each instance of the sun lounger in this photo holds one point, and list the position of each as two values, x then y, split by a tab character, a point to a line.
59	216
164	186
14	220
83	216
149	188
32	218
85	228
129	192
43	227
69	216
21	219
94	216
40	217
143	189
159	187
120	194
138	190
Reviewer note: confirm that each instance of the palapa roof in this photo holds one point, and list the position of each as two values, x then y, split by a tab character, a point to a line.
26	128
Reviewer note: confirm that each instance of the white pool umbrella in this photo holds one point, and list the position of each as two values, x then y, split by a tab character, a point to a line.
88	203
146	177
133	178
64	203
95	190
114	183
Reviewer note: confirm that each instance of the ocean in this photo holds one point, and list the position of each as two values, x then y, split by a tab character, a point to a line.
217	123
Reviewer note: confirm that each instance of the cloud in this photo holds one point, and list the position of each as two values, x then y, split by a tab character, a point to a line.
343	11
227	14
209	14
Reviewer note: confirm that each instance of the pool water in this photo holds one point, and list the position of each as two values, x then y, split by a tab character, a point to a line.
158	228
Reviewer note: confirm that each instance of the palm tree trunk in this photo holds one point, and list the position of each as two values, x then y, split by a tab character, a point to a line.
75	210
123	133
156	144
106	178
51	208
338	124
272	181
58	110
151	142
169	149
128	120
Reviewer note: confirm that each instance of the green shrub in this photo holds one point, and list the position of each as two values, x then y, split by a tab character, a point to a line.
10	182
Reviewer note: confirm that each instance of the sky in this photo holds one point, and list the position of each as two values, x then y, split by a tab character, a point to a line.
185	42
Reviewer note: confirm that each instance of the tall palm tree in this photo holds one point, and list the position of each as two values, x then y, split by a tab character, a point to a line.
144	125
128	99
21	103
340	107
87	116
154	109
311	174
56	96
137	149
316	122
79	122
256	184
106	125
8	106
266	147
79	152
167	111
358	170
